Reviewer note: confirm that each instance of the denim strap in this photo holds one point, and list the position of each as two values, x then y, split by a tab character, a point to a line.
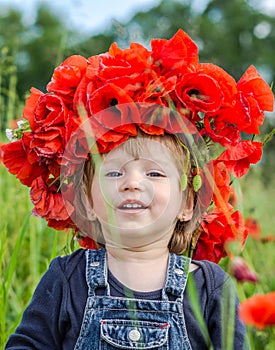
96	271
177	275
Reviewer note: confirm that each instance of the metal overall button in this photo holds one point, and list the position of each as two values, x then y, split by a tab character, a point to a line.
178	271
94	263
134	335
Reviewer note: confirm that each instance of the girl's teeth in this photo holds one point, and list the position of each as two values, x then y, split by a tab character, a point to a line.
132	206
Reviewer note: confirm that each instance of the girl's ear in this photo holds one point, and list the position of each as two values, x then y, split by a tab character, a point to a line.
88	206
91	214
186	211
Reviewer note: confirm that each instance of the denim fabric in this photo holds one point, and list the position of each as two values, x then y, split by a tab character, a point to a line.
126	323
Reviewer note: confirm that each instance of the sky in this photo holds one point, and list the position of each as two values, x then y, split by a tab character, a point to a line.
93	16
85	15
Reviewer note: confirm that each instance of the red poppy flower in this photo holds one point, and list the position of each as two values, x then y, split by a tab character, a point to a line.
110	140
239	157
67	76
112	108
226	82
222	187
251	83
137	55
253	98
200	92
48	144
259	310
78	141
220	131
107	96
253	227
87	243
47	115
154	119
45	110
30	105
22	162
241	271
49	203
219	228
177	52
161	86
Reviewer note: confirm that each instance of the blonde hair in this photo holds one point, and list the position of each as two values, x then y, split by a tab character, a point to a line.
135	146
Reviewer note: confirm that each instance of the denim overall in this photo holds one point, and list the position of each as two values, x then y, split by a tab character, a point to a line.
124	323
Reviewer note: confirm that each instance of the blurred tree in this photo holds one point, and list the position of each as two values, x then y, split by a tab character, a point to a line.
42	49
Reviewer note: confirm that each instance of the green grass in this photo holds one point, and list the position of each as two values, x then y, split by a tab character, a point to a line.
26	247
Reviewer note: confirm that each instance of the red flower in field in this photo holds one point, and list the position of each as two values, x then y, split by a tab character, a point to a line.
49	203
268	238
239	157
241	271
253	227
259	310
67	76
21	161
219	228
177	52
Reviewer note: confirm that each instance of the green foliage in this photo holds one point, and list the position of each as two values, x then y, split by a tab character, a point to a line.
26	247
9	101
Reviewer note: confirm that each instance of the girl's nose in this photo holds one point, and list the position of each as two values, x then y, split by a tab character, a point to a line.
132	182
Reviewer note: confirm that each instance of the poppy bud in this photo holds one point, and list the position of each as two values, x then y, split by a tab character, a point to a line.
197	182
241	271
183	181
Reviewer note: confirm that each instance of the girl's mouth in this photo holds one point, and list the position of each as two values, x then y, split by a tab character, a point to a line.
132	205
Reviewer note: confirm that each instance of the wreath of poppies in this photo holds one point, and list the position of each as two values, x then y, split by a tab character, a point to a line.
223	111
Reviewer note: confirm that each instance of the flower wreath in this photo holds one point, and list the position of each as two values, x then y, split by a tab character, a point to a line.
223	111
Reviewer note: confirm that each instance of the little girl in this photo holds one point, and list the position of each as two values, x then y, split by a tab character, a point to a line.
135	291
117	150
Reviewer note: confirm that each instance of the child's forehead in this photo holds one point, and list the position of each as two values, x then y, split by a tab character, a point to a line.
148	149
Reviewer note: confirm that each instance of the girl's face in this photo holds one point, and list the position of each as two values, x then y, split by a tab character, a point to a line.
138	201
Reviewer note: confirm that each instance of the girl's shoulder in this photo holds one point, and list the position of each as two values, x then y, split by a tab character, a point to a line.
213	276
69	264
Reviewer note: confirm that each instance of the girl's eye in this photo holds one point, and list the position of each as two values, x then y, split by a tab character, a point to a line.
113	174
155	174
